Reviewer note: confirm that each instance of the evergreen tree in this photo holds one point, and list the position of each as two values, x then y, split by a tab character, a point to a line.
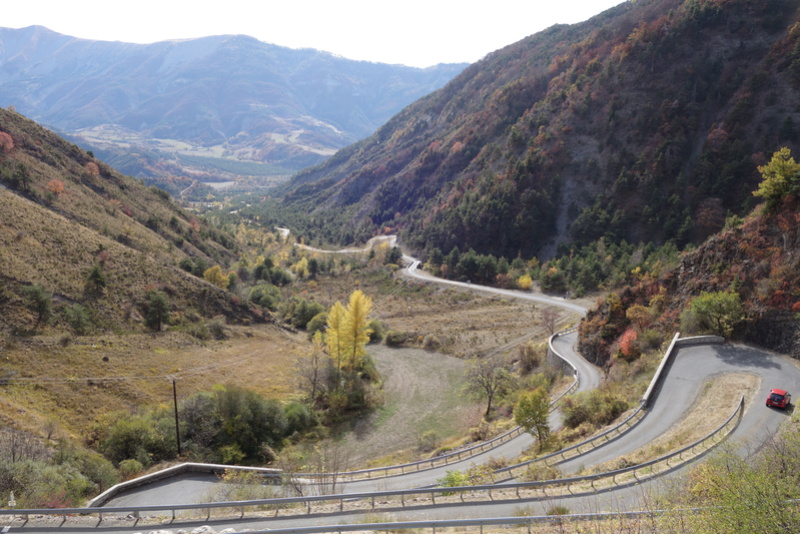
38	301
156	310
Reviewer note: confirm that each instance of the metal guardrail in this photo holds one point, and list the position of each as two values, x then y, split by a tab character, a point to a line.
456	456
518	521
592	443
419	465
303	505
629	422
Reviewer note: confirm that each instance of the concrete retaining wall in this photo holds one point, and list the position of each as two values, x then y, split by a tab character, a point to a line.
180	469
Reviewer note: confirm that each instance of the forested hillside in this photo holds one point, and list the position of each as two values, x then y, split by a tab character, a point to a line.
742	283
645	123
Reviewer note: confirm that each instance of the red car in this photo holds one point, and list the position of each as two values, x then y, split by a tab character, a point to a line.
779	398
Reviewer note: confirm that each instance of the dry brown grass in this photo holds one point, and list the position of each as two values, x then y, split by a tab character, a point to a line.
260	358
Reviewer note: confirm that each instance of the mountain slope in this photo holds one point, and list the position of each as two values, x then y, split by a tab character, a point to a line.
224	96
758	261
63	214
643	123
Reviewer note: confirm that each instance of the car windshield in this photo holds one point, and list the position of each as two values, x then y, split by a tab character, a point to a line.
776	397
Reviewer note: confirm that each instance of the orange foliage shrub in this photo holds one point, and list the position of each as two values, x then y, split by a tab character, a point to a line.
628	345
92	168
6	143
55	186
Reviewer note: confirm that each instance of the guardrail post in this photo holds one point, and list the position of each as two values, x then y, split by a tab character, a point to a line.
341	504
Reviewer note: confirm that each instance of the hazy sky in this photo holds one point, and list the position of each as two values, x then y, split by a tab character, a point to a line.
411	32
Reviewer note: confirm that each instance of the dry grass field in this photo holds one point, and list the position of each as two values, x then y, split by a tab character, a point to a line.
78	383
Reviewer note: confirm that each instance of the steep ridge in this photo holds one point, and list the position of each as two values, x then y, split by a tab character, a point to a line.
65	214
642	123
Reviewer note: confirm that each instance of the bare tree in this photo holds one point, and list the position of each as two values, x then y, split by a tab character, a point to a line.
311	370
17	446
549	317
488	378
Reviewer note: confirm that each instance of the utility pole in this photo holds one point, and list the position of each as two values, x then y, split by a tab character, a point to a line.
175	403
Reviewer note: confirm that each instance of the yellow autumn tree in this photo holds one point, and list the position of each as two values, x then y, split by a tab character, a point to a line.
347	332
334	333
356	329
300	268
214	275
524	282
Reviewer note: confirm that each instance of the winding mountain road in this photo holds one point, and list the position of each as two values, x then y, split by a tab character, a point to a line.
690	369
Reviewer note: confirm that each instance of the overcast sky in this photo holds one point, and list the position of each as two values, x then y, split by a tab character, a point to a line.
419	33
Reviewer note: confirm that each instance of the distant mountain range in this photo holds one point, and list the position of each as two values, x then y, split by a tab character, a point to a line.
644	123
216	107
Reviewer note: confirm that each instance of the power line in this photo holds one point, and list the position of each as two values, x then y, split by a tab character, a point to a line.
176	376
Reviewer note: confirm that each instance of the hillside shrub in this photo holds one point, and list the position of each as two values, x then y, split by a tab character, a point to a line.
135	437
299	418
317	323
38	484
267	296
714	312
378	332
97	469
598	407
78	319
129	469
395	338
217	328
453	479
431	343
299	311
